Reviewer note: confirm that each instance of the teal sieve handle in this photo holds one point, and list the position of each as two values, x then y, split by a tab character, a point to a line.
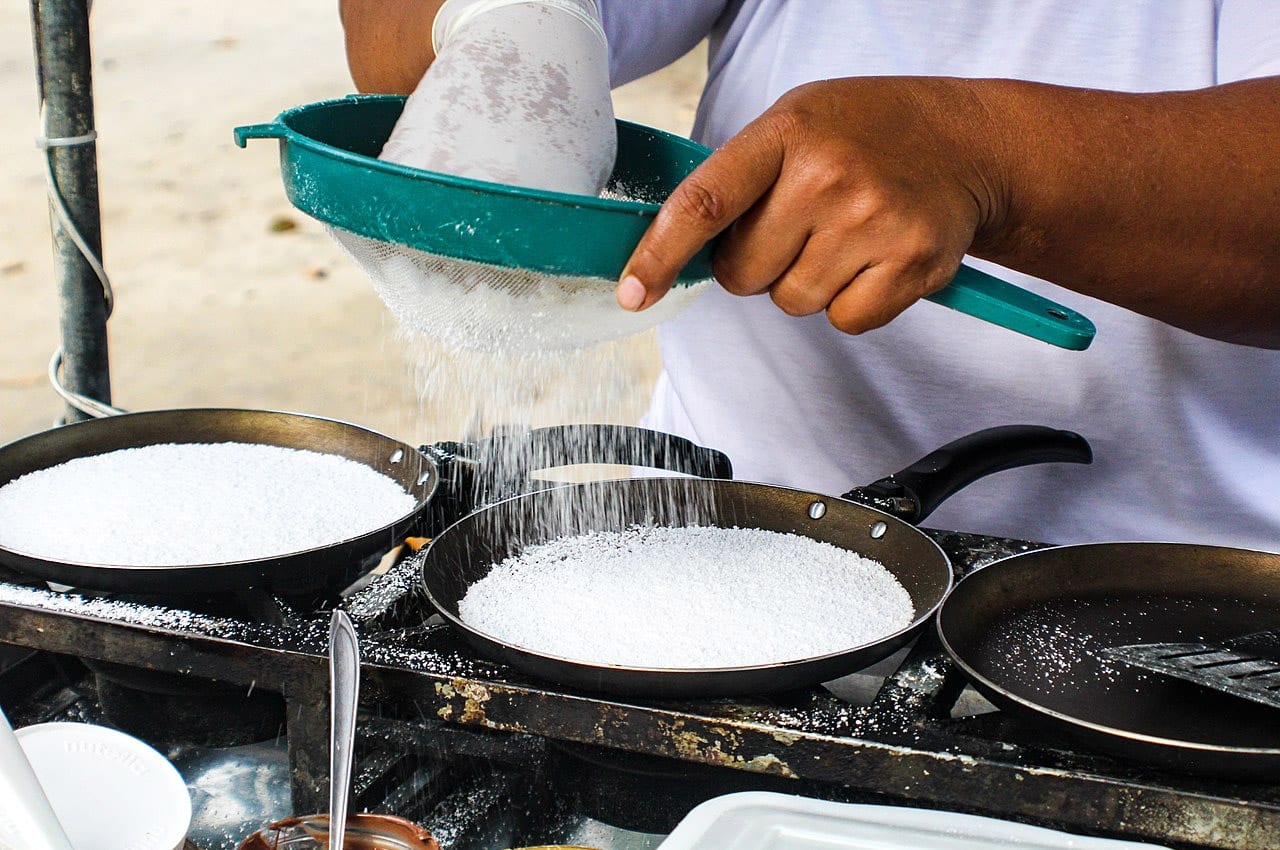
656	157
274	130
993	300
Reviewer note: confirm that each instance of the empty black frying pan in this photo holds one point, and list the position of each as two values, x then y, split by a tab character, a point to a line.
466	551
1029	630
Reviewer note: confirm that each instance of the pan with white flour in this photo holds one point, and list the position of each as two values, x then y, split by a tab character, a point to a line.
214	500
207	500
696	587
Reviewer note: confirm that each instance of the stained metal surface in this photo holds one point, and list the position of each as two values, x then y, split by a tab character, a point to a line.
904	747
326	569
1030	632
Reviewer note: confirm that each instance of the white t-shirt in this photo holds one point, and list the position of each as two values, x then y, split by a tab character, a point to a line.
1185	430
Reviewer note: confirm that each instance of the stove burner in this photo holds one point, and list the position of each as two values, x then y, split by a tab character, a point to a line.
168	708
165	708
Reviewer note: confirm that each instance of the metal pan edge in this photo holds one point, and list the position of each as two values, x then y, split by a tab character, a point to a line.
1258	763
117	577
702	682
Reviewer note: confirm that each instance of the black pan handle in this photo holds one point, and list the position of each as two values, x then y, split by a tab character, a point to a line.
916	491
473	474
566	445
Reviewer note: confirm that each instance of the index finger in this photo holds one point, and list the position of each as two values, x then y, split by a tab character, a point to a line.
706	202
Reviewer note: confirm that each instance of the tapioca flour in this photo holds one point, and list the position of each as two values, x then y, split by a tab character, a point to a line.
693	597
195	503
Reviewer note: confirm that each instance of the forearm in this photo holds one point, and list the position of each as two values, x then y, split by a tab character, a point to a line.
1167	204
388	42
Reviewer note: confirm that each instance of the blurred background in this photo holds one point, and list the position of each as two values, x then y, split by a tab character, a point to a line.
225	295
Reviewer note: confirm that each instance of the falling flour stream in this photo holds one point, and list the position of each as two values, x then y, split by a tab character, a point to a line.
519	95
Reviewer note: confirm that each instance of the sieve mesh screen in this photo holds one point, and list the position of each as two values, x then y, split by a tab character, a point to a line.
518	95
480	307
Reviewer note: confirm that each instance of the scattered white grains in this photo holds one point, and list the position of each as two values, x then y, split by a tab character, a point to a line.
694	597
195	503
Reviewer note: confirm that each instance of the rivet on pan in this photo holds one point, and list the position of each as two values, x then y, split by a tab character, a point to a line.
817	510
878	530
424	477
397	456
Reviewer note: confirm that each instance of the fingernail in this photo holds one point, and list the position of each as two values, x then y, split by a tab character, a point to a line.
630	293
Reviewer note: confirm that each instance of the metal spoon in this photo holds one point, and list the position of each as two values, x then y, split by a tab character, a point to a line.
344	696
32	818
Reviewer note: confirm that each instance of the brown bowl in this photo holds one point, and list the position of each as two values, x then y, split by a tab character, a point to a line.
364	832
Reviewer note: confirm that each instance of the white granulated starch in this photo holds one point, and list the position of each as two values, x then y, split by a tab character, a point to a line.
195	503
680	598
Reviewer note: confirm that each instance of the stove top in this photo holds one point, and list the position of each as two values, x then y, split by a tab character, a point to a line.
478	752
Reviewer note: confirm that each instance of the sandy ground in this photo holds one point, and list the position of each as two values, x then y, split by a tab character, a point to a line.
215	304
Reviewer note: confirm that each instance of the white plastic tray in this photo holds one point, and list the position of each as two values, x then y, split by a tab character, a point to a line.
758	820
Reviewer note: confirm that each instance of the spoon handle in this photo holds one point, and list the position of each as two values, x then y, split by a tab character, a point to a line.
344	679
32	820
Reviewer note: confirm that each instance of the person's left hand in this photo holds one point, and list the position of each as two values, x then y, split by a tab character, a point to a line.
854	196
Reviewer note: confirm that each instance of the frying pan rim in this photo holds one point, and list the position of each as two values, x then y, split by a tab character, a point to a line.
432	485
917	622
991	689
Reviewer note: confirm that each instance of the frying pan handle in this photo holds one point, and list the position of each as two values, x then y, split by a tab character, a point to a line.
483	472
566	445
274	130
916	491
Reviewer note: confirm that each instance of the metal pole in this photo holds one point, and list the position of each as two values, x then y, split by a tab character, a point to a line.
65	79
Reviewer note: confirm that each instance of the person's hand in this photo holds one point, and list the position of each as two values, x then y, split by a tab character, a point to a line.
854	196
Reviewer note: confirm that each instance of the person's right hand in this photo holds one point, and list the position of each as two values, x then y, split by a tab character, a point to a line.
856	197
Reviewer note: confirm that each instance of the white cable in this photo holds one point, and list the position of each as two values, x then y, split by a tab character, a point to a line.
85	404
46	144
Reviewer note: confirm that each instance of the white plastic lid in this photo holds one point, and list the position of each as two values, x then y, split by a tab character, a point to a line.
109	790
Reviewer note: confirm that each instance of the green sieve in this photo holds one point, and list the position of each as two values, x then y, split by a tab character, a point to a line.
328	161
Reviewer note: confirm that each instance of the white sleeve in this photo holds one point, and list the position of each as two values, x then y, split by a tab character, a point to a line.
1248	39
645	35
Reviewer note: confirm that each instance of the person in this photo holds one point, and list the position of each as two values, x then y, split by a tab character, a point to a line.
1120	158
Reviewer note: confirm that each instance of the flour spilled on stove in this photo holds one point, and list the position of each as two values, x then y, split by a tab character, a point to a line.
195	503
692	597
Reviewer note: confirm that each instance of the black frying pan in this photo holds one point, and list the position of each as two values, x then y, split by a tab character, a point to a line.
1027	631
324	569
466	551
